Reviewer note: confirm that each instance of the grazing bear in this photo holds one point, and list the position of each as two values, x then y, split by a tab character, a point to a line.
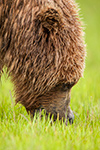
42	46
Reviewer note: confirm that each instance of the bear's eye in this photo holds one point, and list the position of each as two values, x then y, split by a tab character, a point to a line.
67	86
64	86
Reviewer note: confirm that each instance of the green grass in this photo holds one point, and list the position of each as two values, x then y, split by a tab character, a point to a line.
17	132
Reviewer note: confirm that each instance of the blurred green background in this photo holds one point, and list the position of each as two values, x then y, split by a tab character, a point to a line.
87	91
90	12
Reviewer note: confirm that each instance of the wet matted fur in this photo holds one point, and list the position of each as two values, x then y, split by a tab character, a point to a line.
42	46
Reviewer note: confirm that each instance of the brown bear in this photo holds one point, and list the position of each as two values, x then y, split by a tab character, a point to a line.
42	46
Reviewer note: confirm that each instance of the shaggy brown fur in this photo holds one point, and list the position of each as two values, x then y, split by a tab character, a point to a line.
42	46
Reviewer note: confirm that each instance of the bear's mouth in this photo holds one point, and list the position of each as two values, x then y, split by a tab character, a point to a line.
41	112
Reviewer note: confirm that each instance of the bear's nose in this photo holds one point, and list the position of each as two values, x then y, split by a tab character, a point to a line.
71	117
71	120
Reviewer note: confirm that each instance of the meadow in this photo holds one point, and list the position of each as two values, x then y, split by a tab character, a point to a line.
17	132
